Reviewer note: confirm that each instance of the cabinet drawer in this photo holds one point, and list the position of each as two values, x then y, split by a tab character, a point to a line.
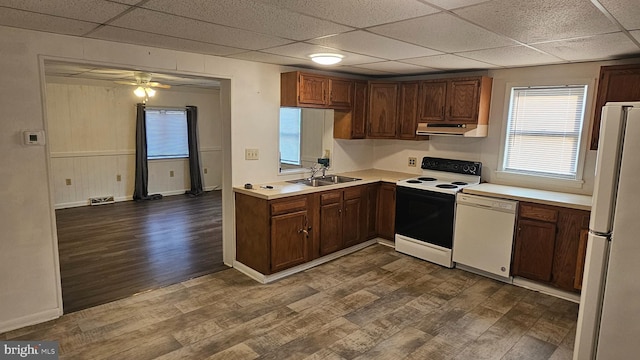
330	197
352	193
537	212
289	205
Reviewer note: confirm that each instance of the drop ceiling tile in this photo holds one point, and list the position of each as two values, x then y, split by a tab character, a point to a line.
55	68
627	12
448	62
98	11
33	21
443	32
303	50
454	4
262	57
251	15
397	67
113	33
366	43
171	25
360	13
512	56
539	20
636	34
609	46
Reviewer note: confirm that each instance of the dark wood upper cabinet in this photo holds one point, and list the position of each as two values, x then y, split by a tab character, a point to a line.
382	110
351	123
455	100
340	93
616	83
408	118
433	95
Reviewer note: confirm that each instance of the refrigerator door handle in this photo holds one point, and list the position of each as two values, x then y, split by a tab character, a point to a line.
595	272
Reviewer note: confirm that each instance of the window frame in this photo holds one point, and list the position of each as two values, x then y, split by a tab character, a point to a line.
170	157
542	180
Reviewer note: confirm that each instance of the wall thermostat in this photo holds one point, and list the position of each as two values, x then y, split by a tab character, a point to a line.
33	137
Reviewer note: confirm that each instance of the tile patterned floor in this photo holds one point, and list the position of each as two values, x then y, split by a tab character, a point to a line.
373	304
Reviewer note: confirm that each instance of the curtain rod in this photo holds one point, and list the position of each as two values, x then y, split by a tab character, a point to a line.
165	107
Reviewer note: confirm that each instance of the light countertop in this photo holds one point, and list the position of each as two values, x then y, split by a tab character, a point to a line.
574	201
283	189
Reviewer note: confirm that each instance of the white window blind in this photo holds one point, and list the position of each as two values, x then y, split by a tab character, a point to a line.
166	134
290	136
544	130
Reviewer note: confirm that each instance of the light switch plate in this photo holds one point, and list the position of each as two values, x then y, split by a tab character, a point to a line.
251	154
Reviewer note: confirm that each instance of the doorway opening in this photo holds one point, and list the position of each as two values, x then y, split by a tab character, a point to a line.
116	250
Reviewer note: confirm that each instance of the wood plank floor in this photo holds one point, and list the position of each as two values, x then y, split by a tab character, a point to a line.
373	304
113	251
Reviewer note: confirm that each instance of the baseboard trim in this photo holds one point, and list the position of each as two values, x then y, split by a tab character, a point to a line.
265	279
386	242
535	286
127	198
32	319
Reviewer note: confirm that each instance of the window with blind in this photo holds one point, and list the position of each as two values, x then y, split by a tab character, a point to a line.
544	131
290	136
166	134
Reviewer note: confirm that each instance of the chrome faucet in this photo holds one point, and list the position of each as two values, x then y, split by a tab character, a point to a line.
314	170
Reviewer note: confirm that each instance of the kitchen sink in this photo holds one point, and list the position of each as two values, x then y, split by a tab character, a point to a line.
322	181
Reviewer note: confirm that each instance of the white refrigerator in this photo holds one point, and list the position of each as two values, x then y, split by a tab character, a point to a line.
609	315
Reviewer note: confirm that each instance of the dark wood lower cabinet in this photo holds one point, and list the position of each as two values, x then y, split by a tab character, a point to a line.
330	222
354	214
386	212
550	245
372	207
535	243
289	242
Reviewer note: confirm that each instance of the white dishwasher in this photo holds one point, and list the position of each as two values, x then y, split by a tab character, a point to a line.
483	235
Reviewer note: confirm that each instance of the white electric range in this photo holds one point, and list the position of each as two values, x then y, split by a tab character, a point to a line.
425	208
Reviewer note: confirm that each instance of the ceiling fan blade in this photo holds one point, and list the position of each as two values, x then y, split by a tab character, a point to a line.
159	85
123	82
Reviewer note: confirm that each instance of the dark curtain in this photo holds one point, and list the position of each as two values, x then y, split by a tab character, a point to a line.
194	153
140	191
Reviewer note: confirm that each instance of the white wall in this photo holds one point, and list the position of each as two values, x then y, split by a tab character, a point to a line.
91	128
29	270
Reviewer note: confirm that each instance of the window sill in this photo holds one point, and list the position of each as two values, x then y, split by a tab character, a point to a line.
538	181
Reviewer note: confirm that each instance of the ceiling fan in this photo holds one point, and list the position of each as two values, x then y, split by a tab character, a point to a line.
144	85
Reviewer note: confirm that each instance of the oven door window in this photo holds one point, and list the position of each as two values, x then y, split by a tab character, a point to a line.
425	215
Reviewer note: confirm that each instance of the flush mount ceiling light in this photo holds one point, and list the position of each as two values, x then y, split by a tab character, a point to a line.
326	58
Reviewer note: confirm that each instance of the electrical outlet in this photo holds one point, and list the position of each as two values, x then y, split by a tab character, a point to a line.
205	170
68	181
412	161
118	177
171	173
251	154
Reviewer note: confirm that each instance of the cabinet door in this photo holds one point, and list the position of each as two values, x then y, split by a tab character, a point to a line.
330	228
340	93
408	117
372	206
433	96
289	240
535	243
617	83
383	110
570	225
359	112
352	222
313	89
386	211
463	96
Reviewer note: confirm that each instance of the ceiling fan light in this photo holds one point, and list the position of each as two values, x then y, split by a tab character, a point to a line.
151	92
139	91
326	58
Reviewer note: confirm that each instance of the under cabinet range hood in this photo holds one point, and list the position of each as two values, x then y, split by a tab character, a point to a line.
450	129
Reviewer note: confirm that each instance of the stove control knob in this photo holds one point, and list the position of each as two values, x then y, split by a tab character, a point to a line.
465	168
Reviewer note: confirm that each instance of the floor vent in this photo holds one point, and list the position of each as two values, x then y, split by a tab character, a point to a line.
101	200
